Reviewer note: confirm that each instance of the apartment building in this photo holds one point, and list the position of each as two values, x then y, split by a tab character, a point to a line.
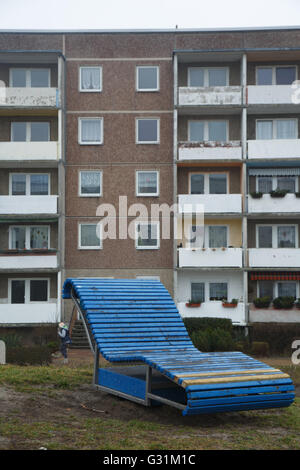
96	127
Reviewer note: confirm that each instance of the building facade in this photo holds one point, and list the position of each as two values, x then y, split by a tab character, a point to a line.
96	128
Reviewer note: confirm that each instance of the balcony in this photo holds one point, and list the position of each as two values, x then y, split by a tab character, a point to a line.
214	309
210	203
210	96
194	151
259	95
273	315
29	98
28	205
28	260
29	151
274	257
210	257
37	312
269	205
276	148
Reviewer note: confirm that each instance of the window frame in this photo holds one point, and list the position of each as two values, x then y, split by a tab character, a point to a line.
27	184
100	247
274	127
27	289
218	282
274	67
206	180
206	76
275	181
206	129
206	238
83	90
156	194
139	247
27	237
80	120
91	194
28	131
28	76
275	235
147	90
148	142
275	288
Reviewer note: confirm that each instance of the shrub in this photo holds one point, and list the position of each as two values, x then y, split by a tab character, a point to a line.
260	348
213	339
278	193
194	324
284	302
256	195
35	355
262	302
279	335
11	340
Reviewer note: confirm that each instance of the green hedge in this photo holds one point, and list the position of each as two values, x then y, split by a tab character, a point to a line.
213	339
194	324
279	335
35	355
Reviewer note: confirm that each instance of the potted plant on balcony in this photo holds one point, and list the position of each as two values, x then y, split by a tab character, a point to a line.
231	304
285	302
193	303
262	302
256	194
278	192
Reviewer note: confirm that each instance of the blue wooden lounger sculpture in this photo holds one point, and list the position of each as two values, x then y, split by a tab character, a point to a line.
137	322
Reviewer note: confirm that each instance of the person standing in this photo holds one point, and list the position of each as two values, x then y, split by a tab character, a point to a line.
63	333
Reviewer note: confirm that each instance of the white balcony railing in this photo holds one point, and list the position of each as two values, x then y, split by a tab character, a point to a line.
273	315
13	205
231	150
267	204
274	257
210	96
29	97
26	151
270	94
37	312
210	257
276	148
28	261
214	309
211	203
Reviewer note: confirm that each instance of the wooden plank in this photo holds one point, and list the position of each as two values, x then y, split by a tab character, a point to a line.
234	379
230	372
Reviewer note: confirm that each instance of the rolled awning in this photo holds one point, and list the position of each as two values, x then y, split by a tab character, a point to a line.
274	171
279	276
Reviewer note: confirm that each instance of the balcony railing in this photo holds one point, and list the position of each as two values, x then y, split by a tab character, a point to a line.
37	312
231	150
29	97
270	95
273	315
276	148
210	96
30	151
270	205
214	309
274	257
210	257
28	259
31	205
210	203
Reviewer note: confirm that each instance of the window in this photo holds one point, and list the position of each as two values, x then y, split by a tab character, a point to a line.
147	131
277	129
24	237
287	289
35	184
277	289
147	78
30	131
147	183
277	236
217	236
218	291
208	183
22	291
266	289
32	78
90	183
198	292
207	76
196	239
90	236
199	131
275	75
90	131
90	79
265	184
209	236
147	235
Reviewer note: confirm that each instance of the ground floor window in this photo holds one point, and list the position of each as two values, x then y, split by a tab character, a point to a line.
22	291
278	289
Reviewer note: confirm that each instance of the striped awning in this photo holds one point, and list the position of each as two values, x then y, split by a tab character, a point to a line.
279	276
274	171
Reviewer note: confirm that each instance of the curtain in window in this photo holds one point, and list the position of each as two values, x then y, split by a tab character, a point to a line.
265	184
147	183
265	237
287	183
90	78
39	238
89	235
264	130
218	291
197	292
266	289
90	182
18	185
286	129
18	238
39	185
286	237
90	130
287	289
217	236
